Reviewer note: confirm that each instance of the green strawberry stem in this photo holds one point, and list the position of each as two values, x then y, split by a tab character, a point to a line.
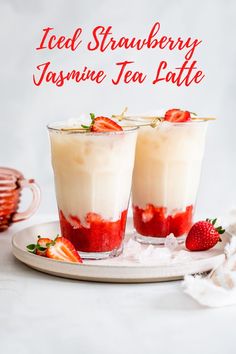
219	229
88	127
33	247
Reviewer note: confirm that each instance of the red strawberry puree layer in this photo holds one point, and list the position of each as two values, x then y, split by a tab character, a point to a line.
154	221
99	235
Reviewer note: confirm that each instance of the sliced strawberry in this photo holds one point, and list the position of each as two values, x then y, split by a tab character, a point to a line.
43	243
148	213
93	218
181	222
177	116
75	222
104	124
63	250
203	235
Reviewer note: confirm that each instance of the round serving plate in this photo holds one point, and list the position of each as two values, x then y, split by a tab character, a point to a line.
114	270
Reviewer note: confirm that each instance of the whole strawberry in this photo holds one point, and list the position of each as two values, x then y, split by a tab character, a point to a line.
203	235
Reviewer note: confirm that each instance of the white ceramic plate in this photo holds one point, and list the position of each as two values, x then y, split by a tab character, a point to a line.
116	269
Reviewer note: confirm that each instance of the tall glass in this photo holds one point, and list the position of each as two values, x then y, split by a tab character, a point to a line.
93	176
166	178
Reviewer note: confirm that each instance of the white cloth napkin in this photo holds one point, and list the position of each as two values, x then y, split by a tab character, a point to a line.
219	287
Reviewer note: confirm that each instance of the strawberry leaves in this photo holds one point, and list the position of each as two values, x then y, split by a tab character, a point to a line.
219	229
41	245
88	127
33	247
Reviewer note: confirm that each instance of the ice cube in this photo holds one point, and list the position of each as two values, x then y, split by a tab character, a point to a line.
171	242
155	255
132	249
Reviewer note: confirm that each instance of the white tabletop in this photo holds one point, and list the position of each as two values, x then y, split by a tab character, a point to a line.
40	313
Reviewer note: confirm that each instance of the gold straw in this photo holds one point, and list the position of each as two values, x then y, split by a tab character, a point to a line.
73	129
154	118
153	121
120	117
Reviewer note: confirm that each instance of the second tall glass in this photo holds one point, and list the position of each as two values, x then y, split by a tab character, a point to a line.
166	177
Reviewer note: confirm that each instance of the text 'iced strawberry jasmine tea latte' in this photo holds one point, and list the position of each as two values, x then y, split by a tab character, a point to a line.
166	175
93	168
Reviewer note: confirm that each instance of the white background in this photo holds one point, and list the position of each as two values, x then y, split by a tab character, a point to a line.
26	109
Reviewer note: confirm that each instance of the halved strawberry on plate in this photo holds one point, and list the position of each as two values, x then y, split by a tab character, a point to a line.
63	250
59	249
176	115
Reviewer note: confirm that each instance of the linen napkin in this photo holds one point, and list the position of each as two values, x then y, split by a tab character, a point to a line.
219	287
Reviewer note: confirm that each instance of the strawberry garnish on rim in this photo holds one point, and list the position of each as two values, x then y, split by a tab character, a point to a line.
177	116
63	250
104	124
101	124
203	235
59	249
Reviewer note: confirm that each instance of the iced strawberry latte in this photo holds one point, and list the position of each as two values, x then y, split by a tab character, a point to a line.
166	177
93	172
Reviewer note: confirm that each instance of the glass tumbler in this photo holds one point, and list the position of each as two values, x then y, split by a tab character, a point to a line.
93	176
166	178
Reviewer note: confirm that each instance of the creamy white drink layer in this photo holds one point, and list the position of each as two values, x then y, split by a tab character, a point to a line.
93	172
168	165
